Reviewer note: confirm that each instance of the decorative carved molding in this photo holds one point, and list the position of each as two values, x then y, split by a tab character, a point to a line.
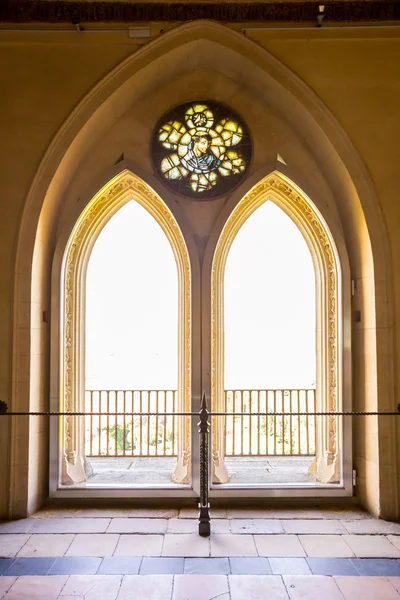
58	11
275	187
100	209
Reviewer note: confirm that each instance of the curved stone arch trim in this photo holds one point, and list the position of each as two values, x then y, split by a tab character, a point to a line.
107	201
283	192
67	149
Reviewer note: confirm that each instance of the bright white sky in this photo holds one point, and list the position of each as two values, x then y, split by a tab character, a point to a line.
132	305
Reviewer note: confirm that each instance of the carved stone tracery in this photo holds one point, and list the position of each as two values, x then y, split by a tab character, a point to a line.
120	190
285	194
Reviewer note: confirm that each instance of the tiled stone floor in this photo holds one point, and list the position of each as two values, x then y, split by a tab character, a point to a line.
252	554
158	470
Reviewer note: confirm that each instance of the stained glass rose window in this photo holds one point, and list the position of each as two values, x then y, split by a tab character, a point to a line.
201	149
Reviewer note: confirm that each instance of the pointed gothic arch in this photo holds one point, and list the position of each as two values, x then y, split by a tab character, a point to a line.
121	189
329	319
175	53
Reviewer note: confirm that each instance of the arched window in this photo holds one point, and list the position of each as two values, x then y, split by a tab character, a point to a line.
270	355
125	336
276	303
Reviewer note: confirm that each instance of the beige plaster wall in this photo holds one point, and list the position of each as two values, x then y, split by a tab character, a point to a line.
45	75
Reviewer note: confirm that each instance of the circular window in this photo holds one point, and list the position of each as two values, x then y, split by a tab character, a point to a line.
201	149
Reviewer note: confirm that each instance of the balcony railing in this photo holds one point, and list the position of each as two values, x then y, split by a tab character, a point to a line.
123	435
287	435
143	436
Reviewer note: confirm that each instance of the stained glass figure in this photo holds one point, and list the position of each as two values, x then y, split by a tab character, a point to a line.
193	149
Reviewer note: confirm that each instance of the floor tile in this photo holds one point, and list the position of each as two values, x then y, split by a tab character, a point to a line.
31	566
19	526
198	587
5	564
325	546
256	526
332	566
139	545
131	513
73	565
68	525
366	588
193	513
220	526
92	544
395	582
146	587
278	545
250	513
11	544
298	513
289	566
186	545
192	526
371	546
372	526
233	545
207	566
183	526
91	587
302	587
137	526
245	565
313	526
36	588
47	544
345	514
395	540
257	587
161	565
120	565
377	566
5	584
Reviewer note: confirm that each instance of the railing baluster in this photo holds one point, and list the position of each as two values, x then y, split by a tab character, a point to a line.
164	426
173	421
233	424
131	410
274	418
307	425
91	423
258	422
250	421
100	420
116	423
283	421
124	419
242	422
298	394
157	411
290	422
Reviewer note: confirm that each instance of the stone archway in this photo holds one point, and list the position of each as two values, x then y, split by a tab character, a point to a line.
329	311
345	175
109	199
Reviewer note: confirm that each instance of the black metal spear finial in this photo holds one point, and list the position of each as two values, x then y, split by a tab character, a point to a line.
204	506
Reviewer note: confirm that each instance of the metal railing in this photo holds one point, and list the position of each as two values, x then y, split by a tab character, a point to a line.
204	437
140	435
136	435
288	435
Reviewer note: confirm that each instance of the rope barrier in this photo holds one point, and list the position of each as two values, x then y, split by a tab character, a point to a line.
196	414
204	435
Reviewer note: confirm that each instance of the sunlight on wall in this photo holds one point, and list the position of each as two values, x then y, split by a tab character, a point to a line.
269	305
132	305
